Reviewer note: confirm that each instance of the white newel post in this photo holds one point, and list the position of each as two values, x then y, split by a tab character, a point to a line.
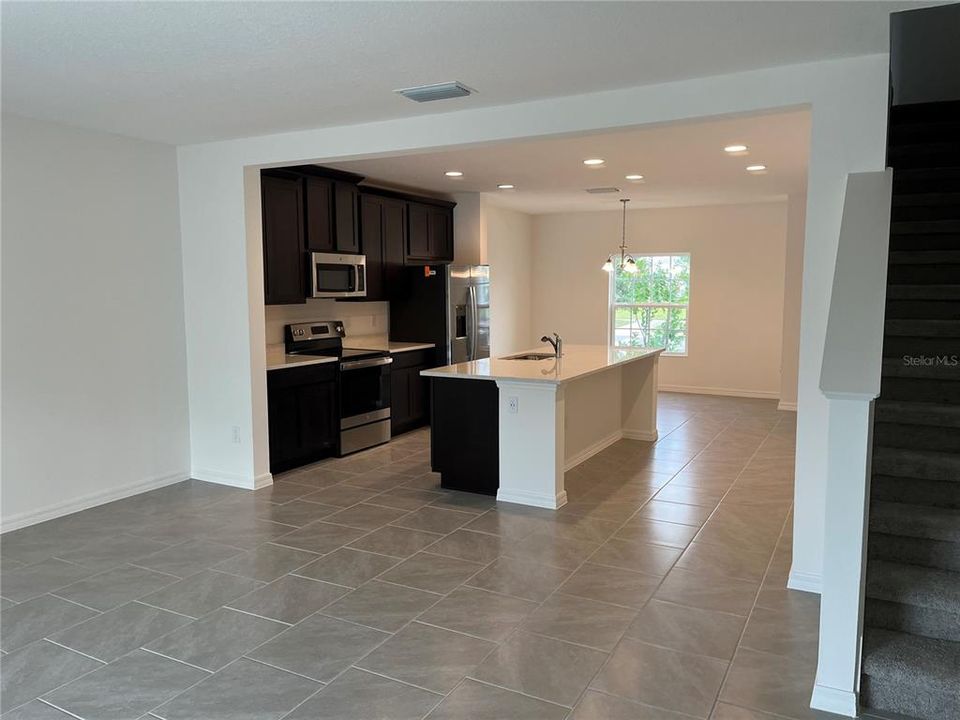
844	567
531	443
850	380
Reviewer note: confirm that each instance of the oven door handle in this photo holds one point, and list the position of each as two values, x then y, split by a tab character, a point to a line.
359	364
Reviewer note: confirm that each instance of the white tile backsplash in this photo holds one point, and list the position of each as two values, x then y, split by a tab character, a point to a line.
359	318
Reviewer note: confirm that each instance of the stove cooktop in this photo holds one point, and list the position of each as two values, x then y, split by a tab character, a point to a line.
342	353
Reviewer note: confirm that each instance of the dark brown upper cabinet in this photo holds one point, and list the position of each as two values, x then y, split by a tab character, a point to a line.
319	214
429	233
382	235
283	259
307	208
345	221
331	215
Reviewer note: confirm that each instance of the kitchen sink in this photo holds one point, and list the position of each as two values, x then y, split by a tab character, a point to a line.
531	356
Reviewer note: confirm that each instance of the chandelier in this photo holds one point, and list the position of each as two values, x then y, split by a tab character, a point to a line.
626	262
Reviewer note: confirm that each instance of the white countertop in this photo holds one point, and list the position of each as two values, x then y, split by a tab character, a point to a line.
278	359
577	361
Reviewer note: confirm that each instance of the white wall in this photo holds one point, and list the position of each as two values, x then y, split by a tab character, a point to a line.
792	291
509	252
94	368
736	287
223	287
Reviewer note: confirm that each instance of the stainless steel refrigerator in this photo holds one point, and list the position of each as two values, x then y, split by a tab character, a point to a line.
448	305
468	312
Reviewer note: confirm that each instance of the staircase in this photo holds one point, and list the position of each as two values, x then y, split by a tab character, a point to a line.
911	644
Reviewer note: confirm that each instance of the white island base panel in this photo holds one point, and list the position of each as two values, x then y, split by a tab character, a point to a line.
548	428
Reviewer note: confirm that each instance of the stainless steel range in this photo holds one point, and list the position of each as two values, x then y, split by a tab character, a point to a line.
364	379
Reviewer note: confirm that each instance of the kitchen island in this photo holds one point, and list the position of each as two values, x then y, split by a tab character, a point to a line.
512	427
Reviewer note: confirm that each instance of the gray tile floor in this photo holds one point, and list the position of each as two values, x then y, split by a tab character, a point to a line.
356	589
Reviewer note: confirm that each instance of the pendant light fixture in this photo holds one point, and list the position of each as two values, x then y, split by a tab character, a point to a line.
626	262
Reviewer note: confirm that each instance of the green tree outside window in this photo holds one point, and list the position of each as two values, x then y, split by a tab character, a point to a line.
649	308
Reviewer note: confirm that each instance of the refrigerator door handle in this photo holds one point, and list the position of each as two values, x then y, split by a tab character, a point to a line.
476	323
471	322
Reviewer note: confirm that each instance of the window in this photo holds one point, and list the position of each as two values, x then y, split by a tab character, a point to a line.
649	308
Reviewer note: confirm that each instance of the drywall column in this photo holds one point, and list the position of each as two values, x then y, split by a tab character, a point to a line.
638	382
469	230
531	443
847	135
792	291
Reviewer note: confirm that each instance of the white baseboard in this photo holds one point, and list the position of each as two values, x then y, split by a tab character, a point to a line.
806	582
591	450
789	406
830	699
649	436
32	517
232	479
523	497
726	392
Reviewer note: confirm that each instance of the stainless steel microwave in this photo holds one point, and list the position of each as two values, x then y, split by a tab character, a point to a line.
338	276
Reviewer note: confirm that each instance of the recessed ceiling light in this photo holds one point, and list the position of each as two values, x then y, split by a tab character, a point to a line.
505	186
735	148
453	173
634	178
593	162
756	168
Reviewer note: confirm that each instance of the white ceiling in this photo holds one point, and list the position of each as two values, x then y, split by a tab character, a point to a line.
682	164
185	72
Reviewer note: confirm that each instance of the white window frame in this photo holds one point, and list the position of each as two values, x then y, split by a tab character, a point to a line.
611	306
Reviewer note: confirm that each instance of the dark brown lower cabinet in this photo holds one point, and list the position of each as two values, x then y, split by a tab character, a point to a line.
465	434
303	410
409	391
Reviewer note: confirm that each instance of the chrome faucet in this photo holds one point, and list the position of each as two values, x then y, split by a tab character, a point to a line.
556	341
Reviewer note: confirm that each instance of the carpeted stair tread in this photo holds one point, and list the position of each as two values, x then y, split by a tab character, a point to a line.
915	491
914	585
925	257
933	369
923	309
931	664
924	292
914	327
911	133
914	551
916	463
926	199
916	413
917	521
912	619
925	227
922	328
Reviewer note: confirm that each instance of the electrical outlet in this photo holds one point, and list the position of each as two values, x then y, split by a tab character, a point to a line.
513	405
236	434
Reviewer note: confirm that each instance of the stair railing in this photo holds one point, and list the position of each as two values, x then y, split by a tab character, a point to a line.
850	379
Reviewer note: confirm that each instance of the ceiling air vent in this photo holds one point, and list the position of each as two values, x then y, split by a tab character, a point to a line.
603	190
437	91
